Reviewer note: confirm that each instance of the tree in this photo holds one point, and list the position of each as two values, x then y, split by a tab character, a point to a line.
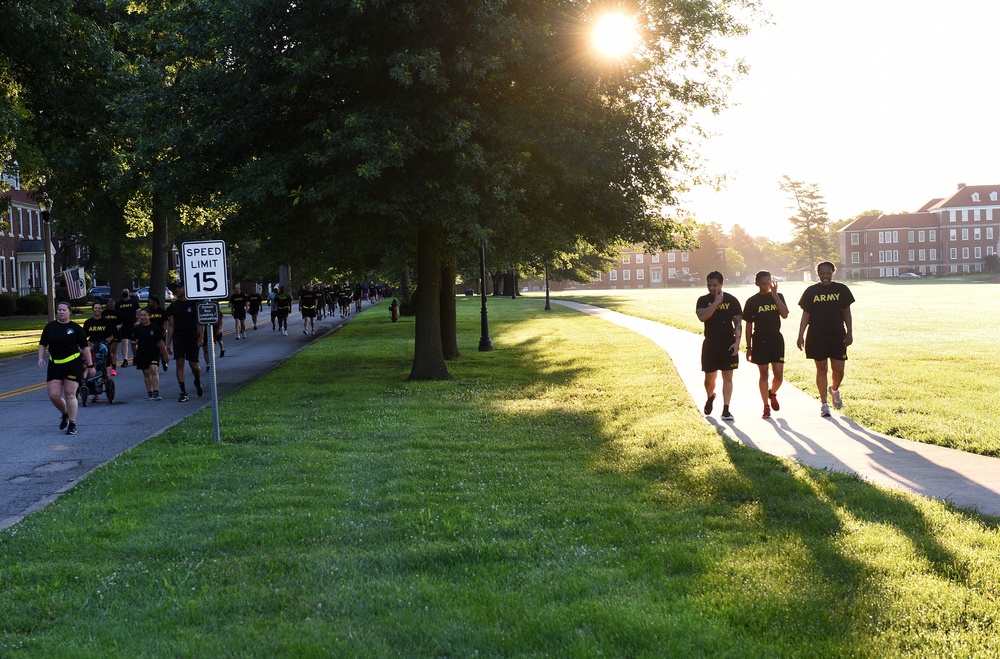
810	237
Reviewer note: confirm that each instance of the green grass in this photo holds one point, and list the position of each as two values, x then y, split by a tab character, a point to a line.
19	336
923	363
555	499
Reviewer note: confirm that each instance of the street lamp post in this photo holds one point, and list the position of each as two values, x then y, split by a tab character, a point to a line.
485	343
45	206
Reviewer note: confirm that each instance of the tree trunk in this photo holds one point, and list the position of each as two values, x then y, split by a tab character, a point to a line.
404	284
161	250
449	318
496	277
428	354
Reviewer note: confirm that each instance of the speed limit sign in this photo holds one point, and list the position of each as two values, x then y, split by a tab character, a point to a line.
205	272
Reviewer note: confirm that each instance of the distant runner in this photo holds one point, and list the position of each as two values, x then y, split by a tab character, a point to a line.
826	311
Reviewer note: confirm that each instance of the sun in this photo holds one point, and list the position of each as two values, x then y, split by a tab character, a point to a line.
615	35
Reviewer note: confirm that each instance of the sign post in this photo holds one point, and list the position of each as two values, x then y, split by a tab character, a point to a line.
206	277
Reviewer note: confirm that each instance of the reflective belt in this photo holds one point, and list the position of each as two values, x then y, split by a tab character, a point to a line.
65	359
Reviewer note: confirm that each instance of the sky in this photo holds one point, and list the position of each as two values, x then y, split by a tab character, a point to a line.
883	104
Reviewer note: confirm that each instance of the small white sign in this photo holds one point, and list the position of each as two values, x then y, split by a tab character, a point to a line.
206	274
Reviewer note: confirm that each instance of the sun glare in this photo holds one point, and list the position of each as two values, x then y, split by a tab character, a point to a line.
615	35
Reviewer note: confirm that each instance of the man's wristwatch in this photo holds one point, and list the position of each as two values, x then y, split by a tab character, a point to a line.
90	366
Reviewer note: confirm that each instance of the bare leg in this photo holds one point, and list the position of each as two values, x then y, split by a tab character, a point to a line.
821	378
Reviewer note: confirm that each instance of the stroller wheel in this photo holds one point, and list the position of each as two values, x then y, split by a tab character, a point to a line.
83	393
109	390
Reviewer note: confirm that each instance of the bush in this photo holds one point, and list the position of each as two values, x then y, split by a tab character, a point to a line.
8	305
32	305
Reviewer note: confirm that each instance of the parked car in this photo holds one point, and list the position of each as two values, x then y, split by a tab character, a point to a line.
683	280
99	293
143	295
909	275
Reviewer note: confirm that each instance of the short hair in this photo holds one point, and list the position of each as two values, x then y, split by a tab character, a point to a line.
65	304
716	275
154	298
827	263
761	275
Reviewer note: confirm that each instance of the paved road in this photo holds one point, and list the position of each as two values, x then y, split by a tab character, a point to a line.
799	433
38	461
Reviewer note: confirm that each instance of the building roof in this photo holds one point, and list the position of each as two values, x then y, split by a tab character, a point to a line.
31	246
933	203
861	223
964	197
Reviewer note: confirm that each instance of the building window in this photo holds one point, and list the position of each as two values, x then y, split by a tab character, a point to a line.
989	233
921	235
638	258
895	236
978	213
922	255
855	257
656	276
965	252
656	257
965	234
977	233
910	236
613	275
993	196
640	274
672	272
684	256
626	275
933	255
881	237
671	257
978	253
954	252
975	198
932	235
855	238
965	215
912	255
626	259
881	256
953	234
895	256
989	250
953	215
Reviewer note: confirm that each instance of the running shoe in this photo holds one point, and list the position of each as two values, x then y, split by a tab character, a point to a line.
149	395
72	429
64	422
838	402
157	397
165	369
124	363
767	412
197	387
824	410
773	397
237	337
222	353
113	371
304	332
727	415
708	404
183	398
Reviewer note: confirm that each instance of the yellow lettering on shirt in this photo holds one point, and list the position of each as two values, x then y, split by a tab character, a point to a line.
827	297
724	305
767	307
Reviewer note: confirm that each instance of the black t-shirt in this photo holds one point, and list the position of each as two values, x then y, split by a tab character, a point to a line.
63	339
185	316
127	310
762	311
254	300
722	324
237	302
825	306
283	302
307	300
98	329
148	338
157	316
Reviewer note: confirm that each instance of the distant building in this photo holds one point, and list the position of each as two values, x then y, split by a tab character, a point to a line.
949	235
22	251
635	269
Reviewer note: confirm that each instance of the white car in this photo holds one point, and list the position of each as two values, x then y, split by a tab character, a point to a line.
909	275
143	295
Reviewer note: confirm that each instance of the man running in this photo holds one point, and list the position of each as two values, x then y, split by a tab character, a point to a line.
720	351
307	307
826	311
186	335
238	307
762	314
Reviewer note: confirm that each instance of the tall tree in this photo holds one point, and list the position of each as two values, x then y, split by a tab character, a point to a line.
810	242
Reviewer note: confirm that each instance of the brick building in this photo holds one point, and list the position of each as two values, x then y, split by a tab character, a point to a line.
947	235
22	252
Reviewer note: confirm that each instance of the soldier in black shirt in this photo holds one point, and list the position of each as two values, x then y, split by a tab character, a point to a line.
186	336
68	363
149	351
765	346
255	301
238	307
127	308
720	351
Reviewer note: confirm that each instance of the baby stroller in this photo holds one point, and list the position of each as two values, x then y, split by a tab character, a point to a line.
101	383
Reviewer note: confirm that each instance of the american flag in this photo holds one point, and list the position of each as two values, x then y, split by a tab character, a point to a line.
75	283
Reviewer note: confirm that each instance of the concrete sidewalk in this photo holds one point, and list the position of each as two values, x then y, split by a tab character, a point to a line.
798	432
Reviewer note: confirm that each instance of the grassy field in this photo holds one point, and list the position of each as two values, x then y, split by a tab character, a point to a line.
923	365
555	499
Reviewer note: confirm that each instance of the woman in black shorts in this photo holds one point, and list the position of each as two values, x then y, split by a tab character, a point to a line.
69	360
149	350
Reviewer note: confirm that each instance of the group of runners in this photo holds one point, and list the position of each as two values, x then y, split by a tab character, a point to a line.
825	332
153	333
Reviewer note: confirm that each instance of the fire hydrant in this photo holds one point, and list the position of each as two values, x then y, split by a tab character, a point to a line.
394	310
